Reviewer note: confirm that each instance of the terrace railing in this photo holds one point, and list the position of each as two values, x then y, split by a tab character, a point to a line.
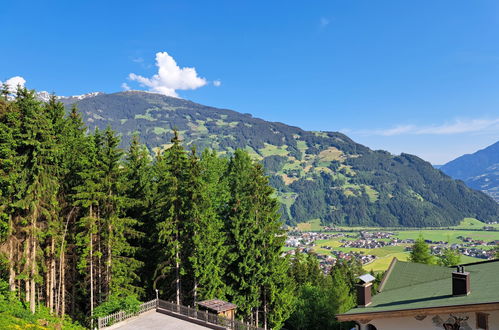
187	313
204	316
111	319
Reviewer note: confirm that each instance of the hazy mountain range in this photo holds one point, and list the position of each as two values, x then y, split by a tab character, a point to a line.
321	175
479	170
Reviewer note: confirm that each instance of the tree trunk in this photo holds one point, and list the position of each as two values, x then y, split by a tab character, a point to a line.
109	260
195	294
256	317
27	289
52	275
12	271
48	277
99	269
177	274
62	295
32	301
91	271
265	311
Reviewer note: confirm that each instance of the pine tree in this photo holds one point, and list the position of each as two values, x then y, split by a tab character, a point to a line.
139	191
88	196
342	297
76	150
171	170
204	247
120	266
37	206
256	275
421	252
244	274
449	257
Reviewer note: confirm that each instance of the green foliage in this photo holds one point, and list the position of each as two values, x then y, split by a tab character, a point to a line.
15	315
128	304
420	252
449	257
320	296
84	225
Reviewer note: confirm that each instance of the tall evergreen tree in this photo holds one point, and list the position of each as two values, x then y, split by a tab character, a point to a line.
449	257
171	195
255	273
205	248
420	252
37	205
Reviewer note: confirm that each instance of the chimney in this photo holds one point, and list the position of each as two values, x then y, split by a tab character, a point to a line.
460	282
363	287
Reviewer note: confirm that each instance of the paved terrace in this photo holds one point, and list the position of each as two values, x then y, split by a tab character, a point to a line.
160	314
153	320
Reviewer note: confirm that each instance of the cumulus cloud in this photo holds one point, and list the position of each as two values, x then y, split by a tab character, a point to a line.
458	126
13	83
170	77
217	83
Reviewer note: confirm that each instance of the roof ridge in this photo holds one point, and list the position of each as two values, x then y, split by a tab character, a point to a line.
387	274
477	263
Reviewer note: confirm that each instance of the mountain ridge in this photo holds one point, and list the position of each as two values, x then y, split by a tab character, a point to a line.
479	170
323	175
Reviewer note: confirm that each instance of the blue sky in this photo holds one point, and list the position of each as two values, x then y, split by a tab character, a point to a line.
420	77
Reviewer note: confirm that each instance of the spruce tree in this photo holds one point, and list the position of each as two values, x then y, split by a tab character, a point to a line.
204	247
421	252
171	200
449	257
256	275
121	266
37	204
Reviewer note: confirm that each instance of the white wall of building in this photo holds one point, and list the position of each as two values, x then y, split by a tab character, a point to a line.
410	323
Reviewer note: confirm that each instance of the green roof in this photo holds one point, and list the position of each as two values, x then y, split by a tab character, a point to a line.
414	286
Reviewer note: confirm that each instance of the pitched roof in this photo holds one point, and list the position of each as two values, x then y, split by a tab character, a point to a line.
410	286
216	305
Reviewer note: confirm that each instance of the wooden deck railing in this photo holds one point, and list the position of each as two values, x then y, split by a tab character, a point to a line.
173	308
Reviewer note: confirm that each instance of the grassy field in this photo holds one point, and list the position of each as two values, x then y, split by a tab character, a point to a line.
449	235
467	228
312	225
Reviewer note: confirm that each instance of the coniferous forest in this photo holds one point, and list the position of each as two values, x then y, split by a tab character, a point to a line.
87	229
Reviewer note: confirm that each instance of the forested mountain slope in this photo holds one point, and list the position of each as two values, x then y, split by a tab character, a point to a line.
479	170
322	175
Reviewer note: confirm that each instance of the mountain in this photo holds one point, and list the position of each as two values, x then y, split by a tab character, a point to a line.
45	96
479	170
321	175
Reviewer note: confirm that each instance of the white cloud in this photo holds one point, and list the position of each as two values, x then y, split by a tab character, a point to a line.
217	83
125	87
324	22
170	77
13	83
458	126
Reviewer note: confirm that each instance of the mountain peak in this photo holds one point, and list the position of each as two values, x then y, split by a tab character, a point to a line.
45	96
317	175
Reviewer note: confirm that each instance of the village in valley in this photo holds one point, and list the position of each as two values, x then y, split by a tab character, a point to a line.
375	249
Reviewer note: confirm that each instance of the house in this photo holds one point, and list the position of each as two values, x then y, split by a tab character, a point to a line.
418	296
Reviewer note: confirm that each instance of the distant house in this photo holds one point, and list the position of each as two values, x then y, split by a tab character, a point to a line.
418	296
